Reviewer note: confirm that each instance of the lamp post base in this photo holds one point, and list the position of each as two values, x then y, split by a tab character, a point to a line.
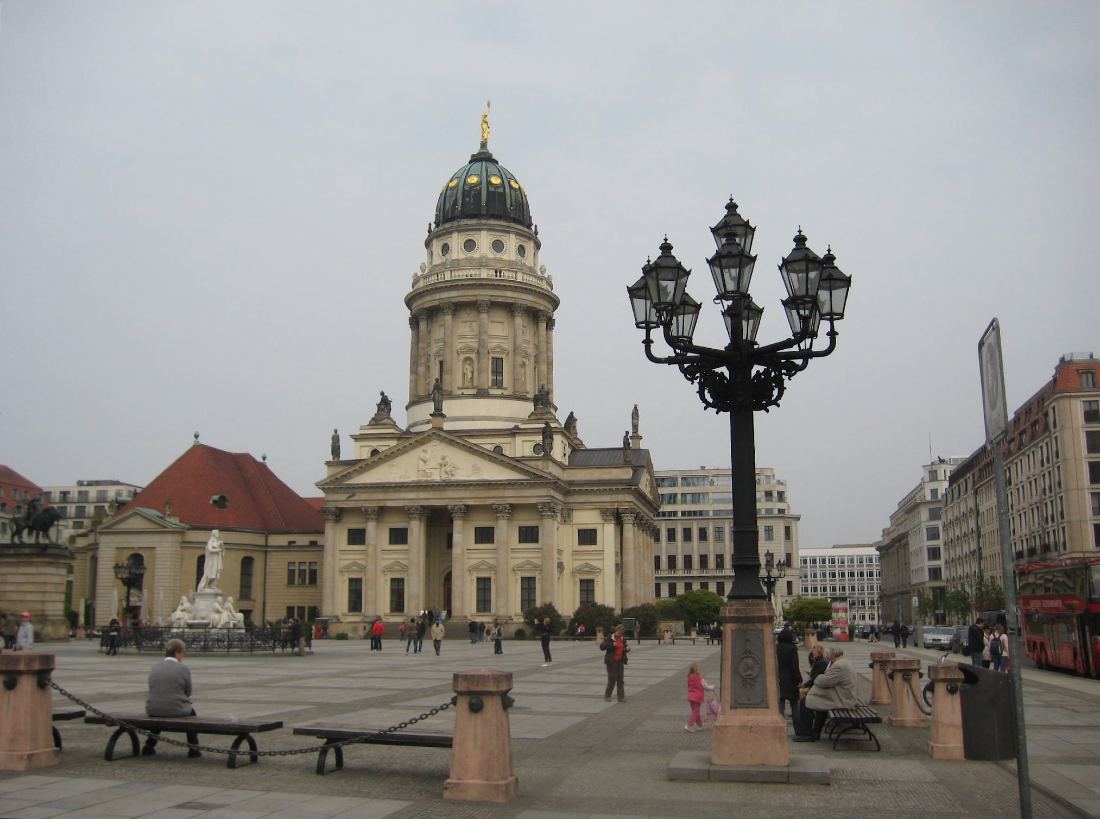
750	730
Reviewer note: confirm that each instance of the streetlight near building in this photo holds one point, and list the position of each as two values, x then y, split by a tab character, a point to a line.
742	378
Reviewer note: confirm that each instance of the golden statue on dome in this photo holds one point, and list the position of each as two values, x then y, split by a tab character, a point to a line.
485	125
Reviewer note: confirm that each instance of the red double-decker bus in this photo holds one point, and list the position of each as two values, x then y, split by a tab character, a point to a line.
1060	610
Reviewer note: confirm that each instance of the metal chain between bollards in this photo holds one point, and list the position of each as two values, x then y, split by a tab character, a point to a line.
913	694
227	751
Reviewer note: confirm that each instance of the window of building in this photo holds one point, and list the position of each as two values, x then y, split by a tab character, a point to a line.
200	569
787	535
790	588
357	537
704	585
587	590
497	372
933	553
672	586
248	565
935	513
672	563
668	497
1095	504
1091	411
355	594
1092	441
931	532
587	537
703	534
528	534
526	593
695	497
664	480
312	573
657	563
484	597
719	534
670	535
686	534
703	561
399	536
695	480
302	573
935	573
485	534
769	533
687	588
397	594
934	493
687	563
291	573
657	590
720	561
81	511
720	588
1094	472
1088	379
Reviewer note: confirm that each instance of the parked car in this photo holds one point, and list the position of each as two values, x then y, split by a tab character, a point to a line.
958	642
939	637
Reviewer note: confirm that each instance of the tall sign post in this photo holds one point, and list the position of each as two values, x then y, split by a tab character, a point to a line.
995	410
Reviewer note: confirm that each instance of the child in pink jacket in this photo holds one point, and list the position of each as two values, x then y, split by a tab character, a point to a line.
696	688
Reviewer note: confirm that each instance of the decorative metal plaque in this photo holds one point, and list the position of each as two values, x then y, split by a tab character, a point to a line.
749	687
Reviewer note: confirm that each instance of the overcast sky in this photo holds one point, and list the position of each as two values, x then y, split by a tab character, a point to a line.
210	213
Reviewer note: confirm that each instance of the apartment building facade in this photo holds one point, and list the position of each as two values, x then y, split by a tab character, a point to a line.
848	572
87	500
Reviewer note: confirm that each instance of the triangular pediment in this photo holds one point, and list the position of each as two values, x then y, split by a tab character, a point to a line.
587	568
527	566
395	567
355	566
482	566
433	457
139	519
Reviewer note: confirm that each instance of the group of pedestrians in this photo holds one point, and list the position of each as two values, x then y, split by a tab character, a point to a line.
18	631
987	647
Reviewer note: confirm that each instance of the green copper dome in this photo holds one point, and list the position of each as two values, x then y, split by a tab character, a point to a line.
482	189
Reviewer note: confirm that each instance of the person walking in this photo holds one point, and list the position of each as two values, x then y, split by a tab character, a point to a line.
24	636
170	695
615	651
473	631
402	633
896	631
697	687
377	629
544	631
438	633
112	637
998	648
421	630
904	635
410	635
496	636
790	677
975	641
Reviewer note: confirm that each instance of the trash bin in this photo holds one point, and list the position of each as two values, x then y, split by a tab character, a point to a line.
988	714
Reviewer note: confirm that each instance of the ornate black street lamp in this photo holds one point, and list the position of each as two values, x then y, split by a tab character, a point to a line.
740	379
768	579
131	574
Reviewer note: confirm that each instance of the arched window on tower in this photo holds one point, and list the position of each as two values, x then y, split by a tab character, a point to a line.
247	567
200	568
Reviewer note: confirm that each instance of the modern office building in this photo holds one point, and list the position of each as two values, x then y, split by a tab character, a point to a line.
694	546
848	572
86	501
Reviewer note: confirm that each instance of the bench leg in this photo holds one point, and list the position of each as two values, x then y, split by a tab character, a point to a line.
56	737
858	726
233	750
337	756
109	754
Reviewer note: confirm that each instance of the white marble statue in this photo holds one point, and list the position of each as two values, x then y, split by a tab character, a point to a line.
182	614
231	618
217	613
212	568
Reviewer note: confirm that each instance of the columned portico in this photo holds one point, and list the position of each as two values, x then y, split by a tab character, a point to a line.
502	581
371	592
329	601
612	597
458	560
417	552
548	538
630	574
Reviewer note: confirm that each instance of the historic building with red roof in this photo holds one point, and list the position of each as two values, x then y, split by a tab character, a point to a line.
15	492
272	537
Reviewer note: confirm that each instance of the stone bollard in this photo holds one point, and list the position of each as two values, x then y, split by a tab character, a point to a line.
599	636
904	675
26	713
667	639
809	639
946	739
481	760
880	683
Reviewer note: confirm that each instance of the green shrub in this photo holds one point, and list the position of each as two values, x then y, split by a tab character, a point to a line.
343	635
668	609
593	615
536	615
647	617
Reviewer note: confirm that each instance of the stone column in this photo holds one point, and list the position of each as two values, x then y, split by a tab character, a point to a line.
481	762
414	594
880	685
904	675
517	355
166	564
503	580
26	724
611	596
105	585
540	361
424	338
550	356
548	538
482	379
630	574
458	561
329	594
372	577
946	737
450	366
414	356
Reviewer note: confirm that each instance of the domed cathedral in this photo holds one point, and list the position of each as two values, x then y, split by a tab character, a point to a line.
485	504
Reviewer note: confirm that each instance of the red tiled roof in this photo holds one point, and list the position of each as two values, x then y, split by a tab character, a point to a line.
257	499
9	477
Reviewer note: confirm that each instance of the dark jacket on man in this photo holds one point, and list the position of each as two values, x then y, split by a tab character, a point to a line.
790	678
975	640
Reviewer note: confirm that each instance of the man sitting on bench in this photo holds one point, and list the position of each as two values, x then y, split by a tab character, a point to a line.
836	688
170	694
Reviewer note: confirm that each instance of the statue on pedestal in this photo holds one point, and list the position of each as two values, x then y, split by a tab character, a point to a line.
335	447
437	397
547	439
382	410
182	614
212	568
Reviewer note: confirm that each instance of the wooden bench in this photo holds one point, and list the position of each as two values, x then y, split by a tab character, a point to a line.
241	729
844	720
61	716
333	735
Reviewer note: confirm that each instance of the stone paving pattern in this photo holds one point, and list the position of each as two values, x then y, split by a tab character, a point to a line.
575	755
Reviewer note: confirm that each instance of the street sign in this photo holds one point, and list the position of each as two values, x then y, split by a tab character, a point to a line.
990	364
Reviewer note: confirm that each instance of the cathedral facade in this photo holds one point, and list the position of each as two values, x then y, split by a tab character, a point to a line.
485	504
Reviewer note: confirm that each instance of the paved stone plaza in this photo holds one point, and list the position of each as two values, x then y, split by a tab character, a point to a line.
575	755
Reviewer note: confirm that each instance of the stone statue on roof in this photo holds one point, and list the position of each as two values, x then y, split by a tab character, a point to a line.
547	439
634	420
335	448
382	410
437	397
571	424
542	398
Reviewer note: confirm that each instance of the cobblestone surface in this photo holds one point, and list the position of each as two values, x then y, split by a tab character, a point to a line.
574	754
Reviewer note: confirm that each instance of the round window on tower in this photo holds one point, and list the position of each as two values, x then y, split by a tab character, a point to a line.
498	449
537	449
522	251
444	249
498	246
470	245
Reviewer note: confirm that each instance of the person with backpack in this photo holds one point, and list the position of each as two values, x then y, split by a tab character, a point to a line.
998	648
